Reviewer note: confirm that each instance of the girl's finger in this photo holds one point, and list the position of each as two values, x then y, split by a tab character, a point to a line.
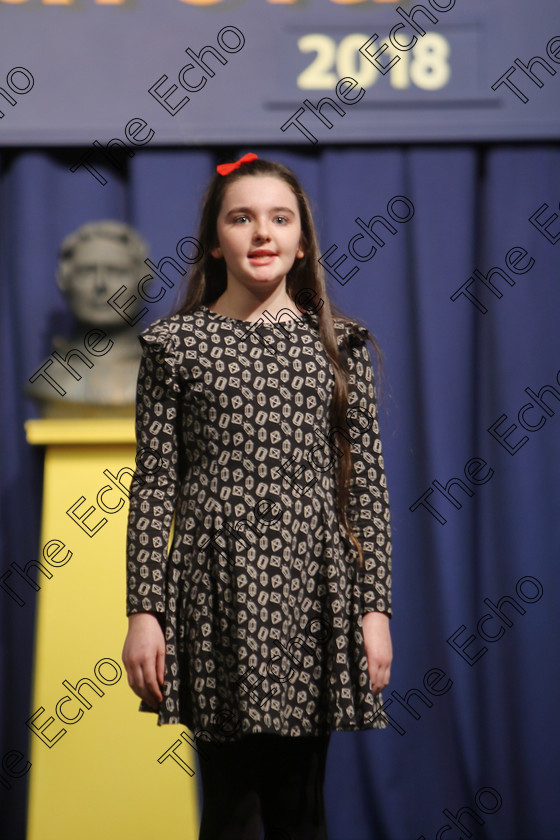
160	665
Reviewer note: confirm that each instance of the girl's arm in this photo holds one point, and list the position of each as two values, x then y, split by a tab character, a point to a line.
153	495
369	514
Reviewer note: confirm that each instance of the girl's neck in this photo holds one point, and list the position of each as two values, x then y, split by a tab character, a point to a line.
252	312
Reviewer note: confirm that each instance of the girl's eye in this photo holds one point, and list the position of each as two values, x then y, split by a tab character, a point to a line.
282	219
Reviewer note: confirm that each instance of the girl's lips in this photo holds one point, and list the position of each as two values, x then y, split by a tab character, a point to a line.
262	259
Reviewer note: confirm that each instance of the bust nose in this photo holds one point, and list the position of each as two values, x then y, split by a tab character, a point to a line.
100	280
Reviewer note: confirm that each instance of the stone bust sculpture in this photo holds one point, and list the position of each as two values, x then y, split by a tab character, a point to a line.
94	371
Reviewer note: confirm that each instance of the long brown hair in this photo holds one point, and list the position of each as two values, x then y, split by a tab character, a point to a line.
208	280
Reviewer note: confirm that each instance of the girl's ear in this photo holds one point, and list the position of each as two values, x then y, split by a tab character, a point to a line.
216	253
300	253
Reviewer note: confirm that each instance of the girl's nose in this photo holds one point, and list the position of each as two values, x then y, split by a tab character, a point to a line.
261	230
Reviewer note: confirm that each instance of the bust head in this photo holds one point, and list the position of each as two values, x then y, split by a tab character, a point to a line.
96	261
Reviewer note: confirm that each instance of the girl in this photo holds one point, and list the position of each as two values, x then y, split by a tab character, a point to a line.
266	626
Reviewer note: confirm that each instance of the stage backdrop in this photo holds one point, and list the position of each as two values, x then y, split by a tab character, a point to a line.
463	297
142	73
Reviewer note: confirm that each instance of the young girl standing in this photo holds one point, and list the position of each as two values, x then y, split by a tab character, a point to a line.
266	625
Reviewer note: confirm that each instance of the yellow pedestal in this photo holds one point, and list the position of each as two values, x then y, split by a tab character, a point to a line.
94	757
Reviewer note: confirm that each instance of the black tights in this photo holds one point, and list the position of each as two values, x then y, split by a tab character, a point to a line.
267	779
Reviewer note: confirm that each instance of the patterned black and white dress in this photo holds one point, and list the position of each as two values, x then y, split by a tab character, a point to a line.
259	595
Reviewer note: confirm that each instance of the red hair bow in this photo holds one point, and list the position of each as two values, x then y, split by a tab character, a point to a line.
226	168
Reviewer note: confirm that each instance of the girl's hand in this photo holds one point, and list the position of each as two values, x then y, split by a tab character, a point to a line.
144	657
379	651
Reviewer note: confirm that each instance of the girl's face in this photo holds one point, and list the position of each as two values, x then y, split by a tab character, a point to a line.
259	231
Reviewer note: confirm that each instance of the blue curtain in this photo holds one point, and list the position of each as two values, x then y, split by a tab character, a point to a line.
465	414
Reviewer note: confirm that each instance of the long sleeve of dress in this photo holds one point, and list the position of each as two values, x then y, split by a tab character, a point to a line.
368	506
155	484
